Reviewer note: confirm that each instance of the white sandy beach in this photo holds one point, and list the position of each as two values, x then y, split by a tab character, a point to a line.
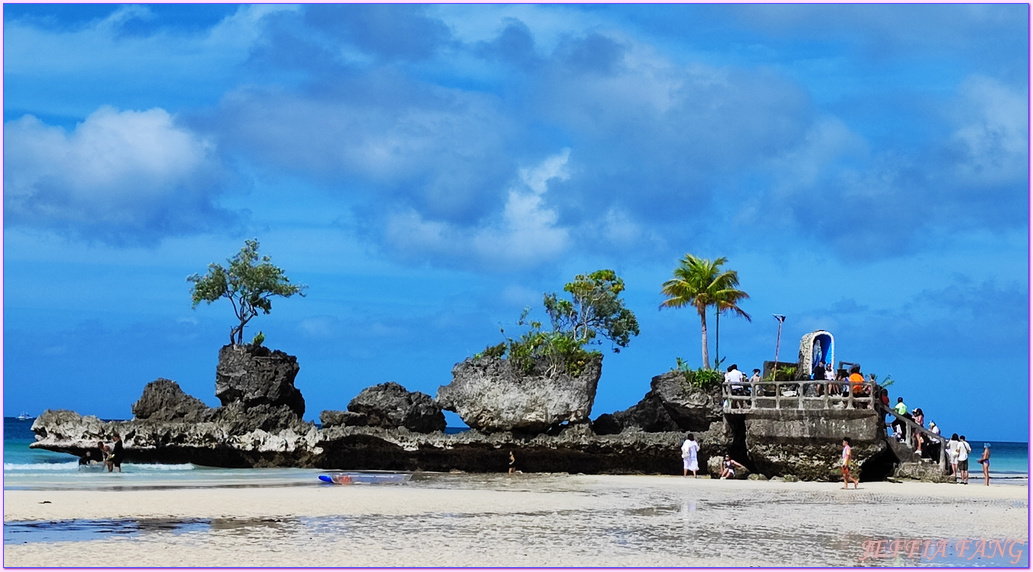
522	521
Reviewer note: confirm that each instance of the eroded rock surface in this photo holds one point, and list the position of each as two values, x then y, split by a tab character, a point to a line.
490	396
390	405
255	375
164	400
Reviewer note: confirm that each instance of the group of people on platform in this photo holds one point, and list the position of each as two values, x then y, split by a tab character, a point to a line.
839	382
854	382
108	455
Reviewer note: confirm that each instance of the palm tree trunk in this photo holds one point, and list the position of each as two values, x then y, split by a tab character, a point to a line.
703	323
717	336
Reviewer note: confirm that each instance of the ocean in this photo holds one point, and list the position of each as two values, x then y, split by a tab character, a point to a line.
26	468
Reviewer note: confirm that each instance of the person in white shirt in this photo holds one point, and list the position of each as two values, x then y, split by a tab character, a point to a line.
690	462
952	454
734	379
963	450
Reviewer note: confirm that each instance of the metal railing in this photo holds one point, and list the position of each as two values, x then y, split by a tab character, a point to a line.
910	429
799	394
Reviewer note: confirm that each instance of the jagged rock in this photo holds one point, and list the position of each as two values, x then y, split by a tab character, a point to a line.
255	375
692	409
164	400
670	405
647	415
391	405
607	424
757	477
923	471
332	418
236	418
490	396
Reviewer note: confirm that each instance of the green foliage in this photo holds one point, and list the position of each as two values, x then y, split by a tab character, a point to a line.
700	283
785	373
248	283
595	309
258	339
496	351
701	378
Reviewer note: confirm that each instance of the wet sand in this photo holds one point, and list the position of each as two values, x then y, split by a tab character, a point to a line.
517	520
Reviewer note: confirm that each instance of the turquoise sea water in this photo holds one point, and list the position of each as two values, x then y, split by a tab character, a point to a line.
26	468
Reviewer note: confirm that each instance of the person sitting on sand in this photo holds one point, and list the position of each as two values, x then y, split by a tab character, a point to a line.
849	470
115	458
728	467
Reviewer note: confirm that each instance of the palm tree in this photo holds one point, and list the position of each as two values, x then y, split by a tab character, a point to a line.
701	283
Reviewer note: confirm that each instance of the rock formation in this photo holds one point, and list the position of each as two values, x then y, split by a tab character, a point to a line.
255	375
164	400
488	395
389	405
540	418
670	405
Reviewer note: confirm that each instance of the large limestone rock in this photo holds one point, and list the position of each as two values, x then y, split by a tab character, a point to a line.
255	375
691	408
490	396
670	405
164	400
390	405
647	415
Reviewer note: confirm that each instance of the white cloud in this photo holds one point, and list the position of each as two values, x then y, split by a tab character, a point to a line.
524	234
123	169
994	136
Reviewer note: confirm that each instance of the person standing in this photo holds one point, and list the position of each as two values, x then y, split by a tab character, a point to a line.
919	418
689	456
898	427
952	454
848	460
734	379
963	450
115	459
985	461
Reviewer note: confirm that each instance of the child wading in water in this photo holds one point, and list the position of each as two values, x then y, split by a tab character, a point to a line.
848	465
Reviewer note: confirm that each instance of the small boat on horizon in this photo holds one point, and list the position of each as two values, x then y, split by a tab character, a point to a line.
24	416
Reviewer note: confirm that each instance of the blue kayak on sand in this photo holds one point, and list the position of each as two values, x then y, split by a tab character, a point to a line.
357	478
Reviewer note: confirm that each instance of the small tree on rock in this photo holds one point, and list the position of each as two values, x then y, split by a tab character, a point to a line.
248	283
595	308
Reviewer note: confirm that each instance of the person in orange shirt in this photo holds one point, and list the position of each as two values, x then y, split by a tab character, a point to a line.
856	382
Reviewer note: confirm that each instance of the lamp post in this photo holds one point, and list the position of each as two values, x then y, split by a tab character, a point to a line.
781	318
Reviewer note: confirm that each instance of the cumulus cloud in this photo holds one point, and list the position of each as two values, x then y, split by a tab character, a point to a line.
119	176
524	234
991	141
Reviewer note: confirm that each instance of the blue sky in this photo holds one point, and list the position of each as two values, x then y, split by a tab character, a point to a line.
430	170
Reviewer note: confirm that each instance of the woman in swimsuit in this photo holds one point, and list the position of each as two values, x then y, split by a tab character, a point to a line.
985	461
